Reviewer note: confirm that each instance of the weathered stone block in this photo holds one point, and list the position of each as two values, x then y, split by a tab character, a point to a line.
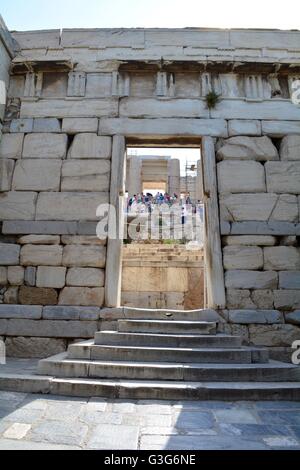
248	148
30	276
19	227
21	311
247	317
237	298
282	258
264	228
81	240
244	127
21	125
6	174
15	275
86	175
17	205
37	175
75	126
283	177
39	240
48	276
256	240
273	335
11	295
150	108
286	209
290	147
289	280
82	296
287	299
41	255
39	348
85	277
9	254
263	299
49	329
241	177
3	276
69	206
11	146
37	296
71	313
293	317
84	256
243	257
46	125
251	279
90	146
243	207
45	146
280	128
69	108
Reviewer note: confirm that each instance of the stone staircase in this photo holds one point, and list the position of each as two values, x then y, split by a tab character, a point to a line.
169	355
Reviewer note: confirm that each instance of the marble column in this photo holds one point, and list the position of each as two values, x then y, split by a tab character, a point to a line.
174	177
134	184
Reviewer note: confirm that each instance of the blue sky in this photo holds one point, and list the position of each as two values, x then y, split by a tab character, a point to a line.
43	14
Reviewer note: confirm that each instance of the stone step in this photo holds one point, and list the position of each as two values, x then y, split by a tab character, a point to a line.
173	341
131	313
88	350
61	366
167	327
152	390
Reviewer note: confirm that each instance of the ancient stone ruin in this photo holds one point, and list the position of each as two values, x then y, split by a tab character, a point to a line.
75	100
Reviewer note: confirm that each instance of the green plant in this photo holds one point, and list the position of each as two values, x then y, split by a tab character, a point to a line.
212	99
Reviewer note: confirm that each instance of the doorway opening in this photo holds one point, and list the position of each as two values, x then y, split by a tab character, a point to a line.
163	250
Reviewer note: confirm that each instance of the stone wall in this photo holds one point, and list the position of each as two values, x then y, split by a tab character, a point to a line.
162	276
71	92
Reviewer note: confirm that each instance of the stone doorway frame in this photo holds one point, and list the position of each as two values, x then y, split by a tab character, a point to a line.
214	271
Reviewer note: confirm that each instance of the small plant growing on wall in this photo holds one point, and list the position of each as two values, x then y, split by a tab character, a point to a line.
212	99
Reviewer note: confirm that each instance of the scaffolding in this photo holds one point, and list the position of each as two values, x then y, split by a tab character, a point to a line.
189	180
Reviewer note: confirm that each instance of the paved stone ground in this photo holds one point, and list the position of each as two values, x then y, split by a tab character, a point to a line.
50	422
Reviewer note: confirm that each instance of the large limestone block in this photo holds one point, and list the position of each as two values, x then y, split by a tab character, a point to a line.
263	298
280	128
239	299
243	257
293	317
20	311
9	254
75	126
86	175
257	240
15	275
45	146
85	277
241	177
282	258
46	125
161	128
244	127
48	276
286	209
48	328
90	146
69	108
11	146
246	317
238	279
17	205
39	240
82	296
37	175
248	148
283	177
289	280
84	256
273	335
6	173
37	296
38	348
242	207
81	240
71	313
69	206
287	299
41	255
290	148
163	108
267	109
23	126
